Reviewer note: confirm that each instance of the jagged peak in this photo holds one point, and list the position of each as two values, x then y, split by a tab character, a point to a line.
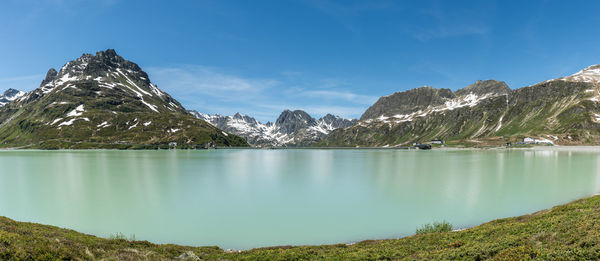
287	114
330	116
11	92
50	76
99	64
113	74
10	95
335	121
108	53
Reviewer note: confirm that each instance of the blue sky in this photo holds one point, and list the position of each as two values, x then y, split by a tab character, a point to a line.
260	57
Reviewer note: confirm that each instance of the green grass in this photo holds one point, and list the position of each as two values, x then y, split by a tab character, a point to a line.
566	232
436	227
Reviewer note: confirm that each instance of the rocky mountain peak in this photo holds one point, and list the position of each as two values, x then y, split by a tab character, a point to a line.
329	117
337	121
331	122
50	76
291	121
292	116
101	64
244	118
106	75
10	95
109	53
487	87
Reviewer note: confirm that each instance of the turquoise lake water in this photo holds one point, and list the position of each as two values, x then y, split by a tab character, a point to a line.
242	199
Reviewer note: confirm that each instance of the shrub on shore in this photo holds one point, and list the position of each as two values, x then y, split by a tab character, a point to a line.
436	227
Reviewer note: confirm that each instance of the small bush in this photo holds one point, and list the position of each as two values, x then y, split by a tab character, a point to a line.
436	227
121	236
118	236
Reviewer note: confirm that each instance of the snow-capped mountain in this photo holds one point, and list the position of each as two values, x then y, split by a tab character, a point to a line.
103	101
10	95
292	128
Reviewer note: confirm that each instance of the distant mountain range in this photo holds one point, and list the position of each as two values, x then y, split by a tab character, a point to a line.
10	95
103	101
564	111
292	128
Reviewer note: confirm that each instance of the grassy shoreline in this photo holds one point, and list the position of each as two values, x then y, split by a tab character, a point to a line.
585	148
569	231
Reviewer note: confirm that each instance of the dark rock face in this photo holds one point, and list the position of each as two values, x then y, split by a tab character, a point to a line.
293	121
50	76
337	122
408	102
109	60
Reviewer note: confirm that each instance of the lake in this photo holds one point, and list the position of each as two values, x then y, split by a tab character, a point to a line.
242	199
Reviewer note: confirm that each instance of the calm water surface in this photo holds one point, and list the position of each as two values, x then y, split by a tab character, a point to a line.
251	198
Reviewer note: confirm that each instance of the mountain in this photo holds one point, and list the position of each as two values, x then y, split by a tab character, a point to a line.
10	95
103	101
564	111
292	128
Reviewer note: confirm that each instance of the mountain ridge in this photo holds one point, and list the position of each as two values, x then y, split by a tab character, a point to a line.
290	129
563	110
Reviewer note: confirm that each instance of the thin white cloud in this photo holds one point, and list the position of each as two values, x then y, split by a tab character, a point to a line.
346	13
345	10
458	22
214	91
22	78
193	78
342	111
445	31
22	83
344	95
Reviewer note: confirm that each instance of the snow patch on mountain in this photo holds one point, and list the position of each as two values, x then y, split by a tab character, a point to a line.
590	74
76	112
469	100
